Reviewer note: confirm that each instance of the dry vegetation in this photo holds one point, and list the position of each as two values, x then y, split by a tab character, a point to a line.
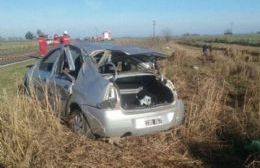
222	115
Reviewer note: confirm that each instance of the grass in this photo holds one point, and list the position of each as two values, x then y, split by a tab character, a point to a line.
32	136
222	102
17	47
241	39
11	75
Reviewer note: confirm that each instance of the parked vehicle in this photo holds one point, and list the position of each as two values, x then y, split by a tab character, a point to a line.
108	90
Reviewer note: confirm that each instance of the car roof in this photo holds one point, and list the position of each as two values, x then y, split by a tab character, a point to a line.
90	47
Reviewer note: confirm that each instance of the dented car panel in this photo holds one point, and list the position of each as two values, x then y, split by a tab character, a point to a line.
90	86
116	88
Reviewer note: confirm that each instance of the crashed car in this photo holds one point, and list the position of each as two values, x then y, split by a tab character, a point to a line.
107	90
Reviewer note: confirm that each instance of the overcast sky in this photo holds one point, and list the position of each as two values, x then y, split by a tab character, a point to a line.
128	17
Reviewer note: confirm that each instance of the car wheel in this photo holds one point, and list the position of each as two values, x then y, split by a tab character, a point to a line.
78	123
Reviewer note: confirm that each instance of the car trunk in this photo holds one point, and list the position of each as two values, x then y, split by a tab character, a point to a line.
143	91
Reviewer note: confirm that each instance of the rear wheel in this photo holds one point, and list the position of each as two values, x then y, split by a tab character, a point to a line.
79	124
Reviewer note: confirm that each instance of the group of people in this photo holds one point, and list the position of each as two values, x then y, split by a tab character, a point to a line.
57	40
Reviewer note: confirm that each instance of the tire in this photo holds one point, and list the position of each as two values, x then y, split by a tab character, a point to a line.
79	124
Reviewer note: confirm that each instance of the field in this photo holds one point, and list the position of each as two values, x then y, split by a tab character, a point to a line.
221	129
12	76
14	51
17	47
243	39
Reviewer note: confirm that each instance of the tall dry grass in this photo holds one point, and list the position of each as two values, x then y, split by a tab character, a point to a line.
25	124
222	104
31	135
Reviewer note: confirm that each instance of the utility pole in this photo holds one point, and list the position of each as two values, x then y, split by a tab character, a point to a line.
231	27
154	25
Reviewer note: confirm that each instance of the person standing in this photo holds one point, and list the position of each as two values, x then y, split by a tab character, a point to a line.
207	53
43	46
65	39
56	41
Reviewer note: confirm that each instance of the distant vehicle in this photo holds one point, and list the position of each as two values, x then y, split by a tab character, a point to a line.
107	35
107	90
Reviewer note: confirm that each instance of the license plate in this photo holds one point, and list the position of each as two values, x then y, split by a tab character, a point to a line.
153	122
144	123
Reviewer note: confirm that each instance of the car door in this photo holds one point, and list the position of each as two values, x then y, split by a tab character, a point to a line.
66	74
44	72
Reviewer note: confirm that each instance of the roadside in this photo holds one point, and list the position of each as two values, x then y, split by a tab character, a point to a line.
12	76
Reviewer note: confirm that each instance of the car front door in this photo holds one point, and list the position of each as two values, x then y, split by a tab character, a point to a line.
44	72
66	74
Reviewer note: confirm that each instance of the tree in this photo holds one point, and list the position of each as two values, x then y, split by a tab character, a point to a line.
39	32
167	34
29	35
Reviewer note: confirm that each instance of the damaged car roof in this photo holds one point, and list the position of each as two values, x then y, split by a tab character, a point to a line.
89	47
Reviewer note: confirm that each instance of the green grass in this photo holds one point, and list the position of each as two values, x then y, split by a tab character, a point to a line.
17	47
11	76
241	39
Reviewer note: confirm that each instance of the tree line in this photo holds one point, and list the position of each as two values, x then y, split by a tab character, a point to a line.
29	35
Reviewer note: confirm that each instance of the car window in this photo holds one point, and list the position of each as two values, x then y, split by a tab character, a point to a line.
98	57
75	54
48	62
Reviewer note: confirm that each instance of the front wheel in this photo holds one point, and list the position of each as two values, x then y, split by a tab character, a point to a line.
78	123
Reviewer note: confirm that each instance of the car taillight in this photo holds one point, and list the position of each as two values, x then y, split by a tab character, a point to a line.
110	93
110	98
169	84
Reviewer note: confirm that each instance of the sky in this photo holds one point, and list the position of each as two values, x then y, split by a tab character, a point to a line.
128	17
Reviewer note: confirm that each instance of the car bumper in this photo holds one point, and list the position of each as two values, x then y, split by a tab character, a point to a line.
117	123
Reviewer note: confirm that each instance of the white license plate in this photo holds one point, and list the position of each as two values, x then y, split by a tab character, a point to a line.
152	122
144	123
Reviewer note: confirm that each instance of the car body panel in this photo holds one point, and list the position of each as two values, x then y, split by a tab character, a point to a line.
118	123
90	86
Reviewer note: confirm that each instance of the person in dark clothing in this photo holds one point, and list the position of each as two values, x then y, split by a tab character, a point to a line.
207	53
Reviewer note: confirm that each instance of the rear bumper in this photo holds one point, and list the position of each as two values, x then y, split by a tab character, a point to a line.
116	123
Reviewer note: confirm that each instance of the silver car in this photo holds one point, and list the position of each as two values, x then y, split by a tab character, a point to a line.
107	90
